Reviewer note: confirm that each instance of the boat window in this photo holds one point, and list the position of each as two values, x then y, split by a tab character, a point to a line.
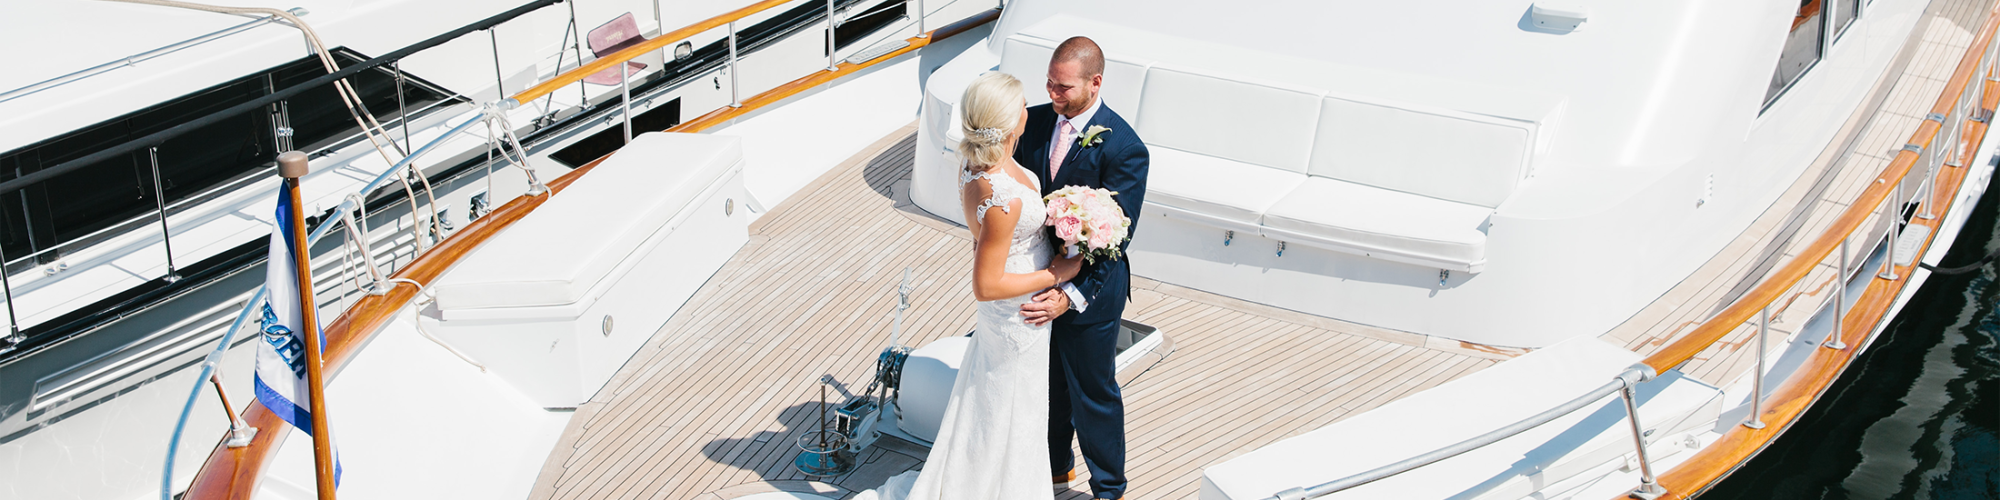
661	117
861	24
1843	15
1802	49
51	218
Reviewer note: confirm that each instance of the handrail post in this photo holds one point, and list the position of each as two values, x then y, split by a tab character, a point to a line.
832	58
625	87
921	32
1948	130
160	200
402	108
14	336
734	76
1757	373
1890	212
1648	488
1839	303
240	432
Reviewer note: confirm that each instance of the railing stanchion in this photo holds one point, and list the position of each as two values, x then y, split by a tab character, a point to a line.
1648	488
832	58
921	32
1757	373
625	87
240	432
1839	303
14	336
160	201
402	108
734	76
1895	217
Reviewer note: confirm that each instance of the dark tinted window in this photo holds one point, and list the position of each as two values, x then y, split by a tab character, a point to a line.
70	208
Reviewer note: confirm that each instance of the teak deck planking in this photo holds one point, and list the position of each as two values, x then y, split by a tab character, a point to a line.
711	406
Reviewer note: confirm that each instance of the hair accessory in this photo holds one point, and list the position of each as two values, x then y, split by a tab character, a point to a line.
988	136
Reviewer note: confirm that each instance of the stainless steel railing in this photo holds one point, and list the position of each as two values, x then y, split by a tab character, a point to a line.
1621	384
135	59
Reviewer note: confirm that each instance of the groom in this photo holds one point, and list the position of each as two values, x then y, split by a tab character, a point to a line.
1083	390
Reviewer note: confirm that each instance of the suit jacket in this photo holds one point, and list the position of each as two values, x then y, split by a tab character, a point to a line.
1118	164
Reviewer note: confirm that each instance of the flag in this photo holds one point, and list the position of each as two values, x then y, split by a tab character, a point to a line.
281	357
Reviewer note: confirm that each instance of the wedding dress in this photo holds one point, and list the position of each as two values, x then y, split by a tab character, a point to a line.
993	441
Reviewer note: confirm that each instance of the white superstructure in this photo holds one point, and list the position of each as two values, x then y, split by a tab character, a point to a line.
1445	168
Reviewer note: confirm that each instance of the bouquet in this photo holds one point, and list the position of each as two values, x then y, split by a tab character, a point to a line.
1088	221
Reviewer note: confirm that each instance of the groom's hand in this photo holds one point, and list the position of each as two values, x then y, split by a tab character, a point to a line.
1047	306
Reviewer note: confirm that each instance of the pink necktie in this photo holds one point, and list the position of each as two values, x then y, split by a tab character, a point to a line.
1061	150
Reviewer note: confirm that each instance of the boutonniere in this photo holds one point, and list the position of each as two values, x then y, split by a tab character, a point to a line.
1094	135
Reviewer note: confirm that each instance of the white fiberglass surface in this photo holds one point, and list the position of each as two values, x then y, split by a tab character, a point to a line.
786	147
413	421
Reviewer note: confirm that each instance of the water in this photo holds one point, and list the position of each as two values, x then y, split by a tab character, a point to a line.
1918	415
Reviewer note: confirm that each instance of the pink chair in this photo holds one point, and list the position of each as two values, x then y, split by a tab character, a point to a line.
611	37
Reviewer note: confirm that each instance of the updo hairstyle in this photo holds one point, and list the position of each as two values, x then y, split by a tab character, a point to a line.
988	111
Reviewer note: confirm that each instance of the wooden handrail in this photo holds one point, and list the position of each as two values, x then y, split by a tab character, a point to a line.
1822	367
1850	220
628	53
233	473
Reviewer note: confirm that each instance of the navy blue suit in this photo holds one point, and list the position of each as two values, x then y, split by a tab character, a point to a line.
1084	400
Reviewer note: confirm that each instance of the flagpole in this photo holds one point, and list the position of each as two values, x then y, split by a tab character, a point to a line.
292	166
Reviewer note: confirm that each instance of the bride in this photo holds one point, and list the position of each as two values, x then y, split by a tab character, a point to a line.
993	443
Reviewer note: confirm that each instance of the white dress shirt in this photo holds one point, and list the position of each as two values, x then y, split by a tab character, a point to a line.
1077	124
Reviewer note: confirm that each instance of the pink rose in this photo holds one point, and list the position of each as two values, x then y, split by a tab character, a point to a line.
1067	228
1100	238
1058	206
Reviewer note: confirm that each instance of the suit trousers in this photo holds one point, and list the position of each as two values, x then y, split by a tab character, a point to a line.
1084	402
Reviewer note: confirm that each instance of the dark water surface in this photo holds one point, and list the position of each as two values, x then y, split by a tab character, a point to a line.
1918	415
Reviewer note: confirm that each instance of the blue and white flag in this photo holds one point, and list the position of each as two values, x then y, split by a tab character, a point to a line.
281	357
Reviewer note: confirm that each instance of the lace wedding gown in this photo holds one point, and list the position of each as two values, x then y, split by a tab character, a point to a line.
993	442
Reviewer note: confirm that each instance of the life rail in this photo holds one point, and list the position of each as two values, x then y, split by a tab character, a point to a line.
1771	415
233	472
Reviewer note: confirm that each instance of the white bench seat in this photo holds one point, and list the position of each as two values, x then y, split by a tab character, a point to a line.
1382	224
556	255
1215	191
1263	144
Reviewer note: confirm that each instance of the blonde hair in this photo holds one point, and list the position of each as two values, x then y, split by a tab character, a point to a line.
988	111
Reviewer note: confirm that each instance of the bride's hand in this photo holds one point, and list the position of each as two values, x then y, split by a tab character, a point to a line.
1065	268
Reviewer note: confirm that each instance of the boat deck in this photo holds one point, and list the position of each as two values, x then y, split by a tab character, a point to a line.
1872	136
711	407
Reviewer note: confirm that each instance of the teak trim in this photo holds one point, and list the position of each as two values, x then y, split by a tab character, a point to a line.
628	53
233	473
1783	406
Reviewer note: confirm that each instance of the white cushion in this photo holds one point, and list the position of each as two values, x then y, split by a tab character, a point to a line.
1027	58
1382	224
1236	192
1242	121
562	249
1459	158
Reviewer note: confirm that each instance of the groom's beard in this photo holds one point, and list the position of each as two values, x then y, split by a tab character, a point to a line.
1075	107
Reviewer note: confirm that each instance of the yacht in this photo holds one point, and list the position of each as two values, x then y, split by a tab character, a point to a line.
616	248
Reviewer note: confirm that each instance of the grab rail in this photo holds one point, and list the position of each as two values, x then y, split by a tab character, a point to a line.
1954	108
1629	377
